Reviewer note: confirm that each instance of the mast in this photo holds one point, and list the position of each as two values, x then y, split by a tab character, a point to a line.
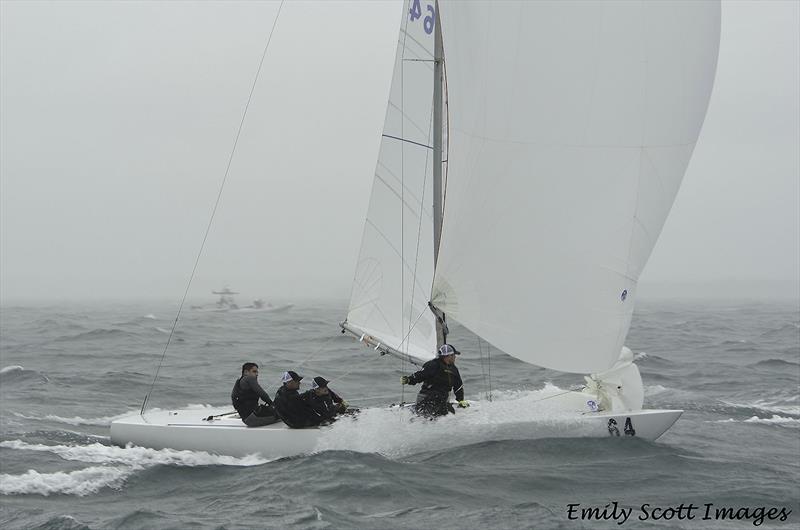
438	69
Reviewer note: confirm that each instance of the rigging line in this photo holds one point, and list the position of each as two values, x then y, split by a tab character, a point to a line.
483	368
489	362
344	375
419	225
405	140
319	350
410	329
213	211
402	188
576	388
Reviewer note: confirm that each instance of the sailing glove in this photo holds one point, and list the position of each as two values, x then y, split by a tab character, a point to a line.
405	380
463	403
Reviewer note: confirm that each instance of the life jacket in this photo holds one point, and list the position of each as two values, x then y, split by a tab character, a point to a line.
244	400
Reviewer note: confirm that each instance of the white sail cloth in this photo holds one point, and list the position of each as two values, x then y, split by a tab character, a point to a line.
571	126
394	273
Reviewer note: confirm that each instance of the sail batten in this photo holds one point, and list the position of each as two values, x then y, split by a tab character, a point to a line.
394	273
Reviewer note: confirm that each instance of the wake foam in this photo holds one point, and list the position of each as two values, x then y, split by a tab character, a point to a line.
115	465
133	456
398	432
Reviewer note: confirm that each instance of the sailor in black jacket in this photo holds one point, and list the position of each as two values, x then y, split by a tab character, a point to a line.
438	376
325	402
244	397
292	407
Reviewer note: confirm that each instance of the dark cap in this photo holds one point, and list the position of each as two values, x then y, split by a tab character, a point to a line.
447	349
319	382
291	376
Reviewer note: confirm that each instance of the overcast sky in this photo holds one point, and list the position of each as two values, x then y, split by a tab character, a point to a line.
118	119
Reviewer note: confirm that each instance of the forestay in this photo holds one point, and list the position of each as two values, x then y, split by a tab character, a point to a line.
571	126
394	273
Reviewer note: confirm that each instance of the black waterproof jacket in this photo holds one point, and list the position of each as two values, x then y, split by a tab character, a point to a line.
294	409
245	394
438	379
326	405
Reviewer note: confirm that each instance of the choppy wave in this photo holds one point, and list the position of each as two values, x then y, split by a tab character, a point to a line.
774	420
102	421
116	464
792	330
776	363
780	405
652	390
98	453
81	482
14	373
95	334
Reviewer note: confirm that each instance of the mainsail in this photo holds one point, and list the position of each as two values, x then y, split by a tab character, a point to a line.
571	127
394	273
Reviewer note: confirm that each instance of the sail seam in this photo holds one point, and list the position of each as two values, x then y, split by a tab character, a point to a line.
406	140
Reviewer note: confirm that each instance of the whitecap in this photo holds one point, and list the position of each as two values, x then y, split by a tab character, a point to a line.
775	420
652	390
81	482
777	405
12	368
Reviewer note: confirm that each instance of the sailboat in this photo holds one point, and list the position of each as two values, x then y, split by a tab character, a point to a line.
557	140
550	139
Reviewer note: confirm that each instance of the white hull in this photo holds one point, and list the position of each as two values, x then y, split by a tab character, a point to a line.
187	430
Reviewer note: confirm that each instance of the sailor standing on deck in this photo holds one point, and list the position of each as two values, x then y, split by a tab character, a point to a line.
244	397
438	376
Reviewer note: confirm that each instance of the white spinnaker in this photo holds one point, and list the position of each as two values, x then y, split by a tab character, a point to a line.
571	126
394	273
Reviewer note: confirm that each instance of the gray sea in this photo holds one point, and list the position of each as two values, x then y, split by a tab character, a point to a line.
66	371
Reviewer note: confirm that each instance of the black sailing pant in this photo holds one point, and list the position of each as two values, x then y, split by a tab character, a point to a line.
431	403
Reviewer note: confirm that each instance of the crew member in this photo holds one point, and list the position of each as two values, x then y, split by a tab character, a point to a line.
325	402
244	397
293	408
438	376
